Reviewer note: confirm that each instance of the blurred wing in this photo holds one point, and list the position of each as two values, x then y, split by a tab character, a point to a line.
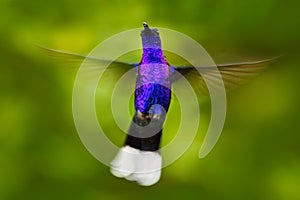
93	63
233	74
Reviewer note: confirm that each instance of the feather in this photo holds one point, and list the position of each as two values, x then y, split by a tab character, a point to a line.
124	163
233	74
92	64
144	167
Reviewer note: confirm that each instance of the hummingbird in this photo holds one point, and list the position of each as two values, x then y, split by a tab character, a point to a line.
139	159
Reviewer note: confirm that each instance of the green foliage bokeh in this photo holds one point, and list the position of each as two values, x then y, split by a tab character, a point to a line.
41	155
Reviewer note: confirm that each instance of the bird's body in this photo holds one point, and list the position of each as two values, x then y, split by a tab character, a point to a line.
152	101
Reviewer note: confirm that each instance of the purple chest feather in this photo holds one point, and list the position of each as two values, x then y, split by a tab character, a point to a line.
153	85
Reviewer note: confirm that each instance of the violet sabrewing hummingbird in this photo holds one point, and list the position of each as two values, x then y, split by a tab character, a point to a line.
139	159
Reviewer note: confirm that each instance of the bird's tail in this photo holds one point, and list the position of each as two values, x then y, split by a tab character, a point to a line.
139	160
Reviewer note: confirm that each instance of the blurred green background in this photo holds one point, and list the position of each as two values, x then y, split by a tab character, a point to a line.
41	155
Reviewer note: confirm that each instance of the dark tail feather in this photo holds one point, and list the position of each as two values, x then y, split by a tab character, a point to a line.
145	144
137	128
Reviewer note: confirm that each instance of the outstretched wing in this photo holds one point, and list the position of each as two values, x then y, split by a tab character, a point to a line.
233	74
93	63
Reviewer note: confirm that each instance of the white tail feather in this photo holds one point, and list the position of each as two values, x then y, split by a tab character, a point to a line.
123	164
144	167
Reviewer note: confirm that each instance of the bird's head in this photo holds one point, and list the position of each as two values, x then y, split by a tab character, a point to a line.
150	37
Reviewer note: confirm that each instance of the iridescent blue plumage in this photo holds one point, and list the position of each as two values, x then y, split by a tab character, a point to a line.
153	75
152	93
152	86
149	95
